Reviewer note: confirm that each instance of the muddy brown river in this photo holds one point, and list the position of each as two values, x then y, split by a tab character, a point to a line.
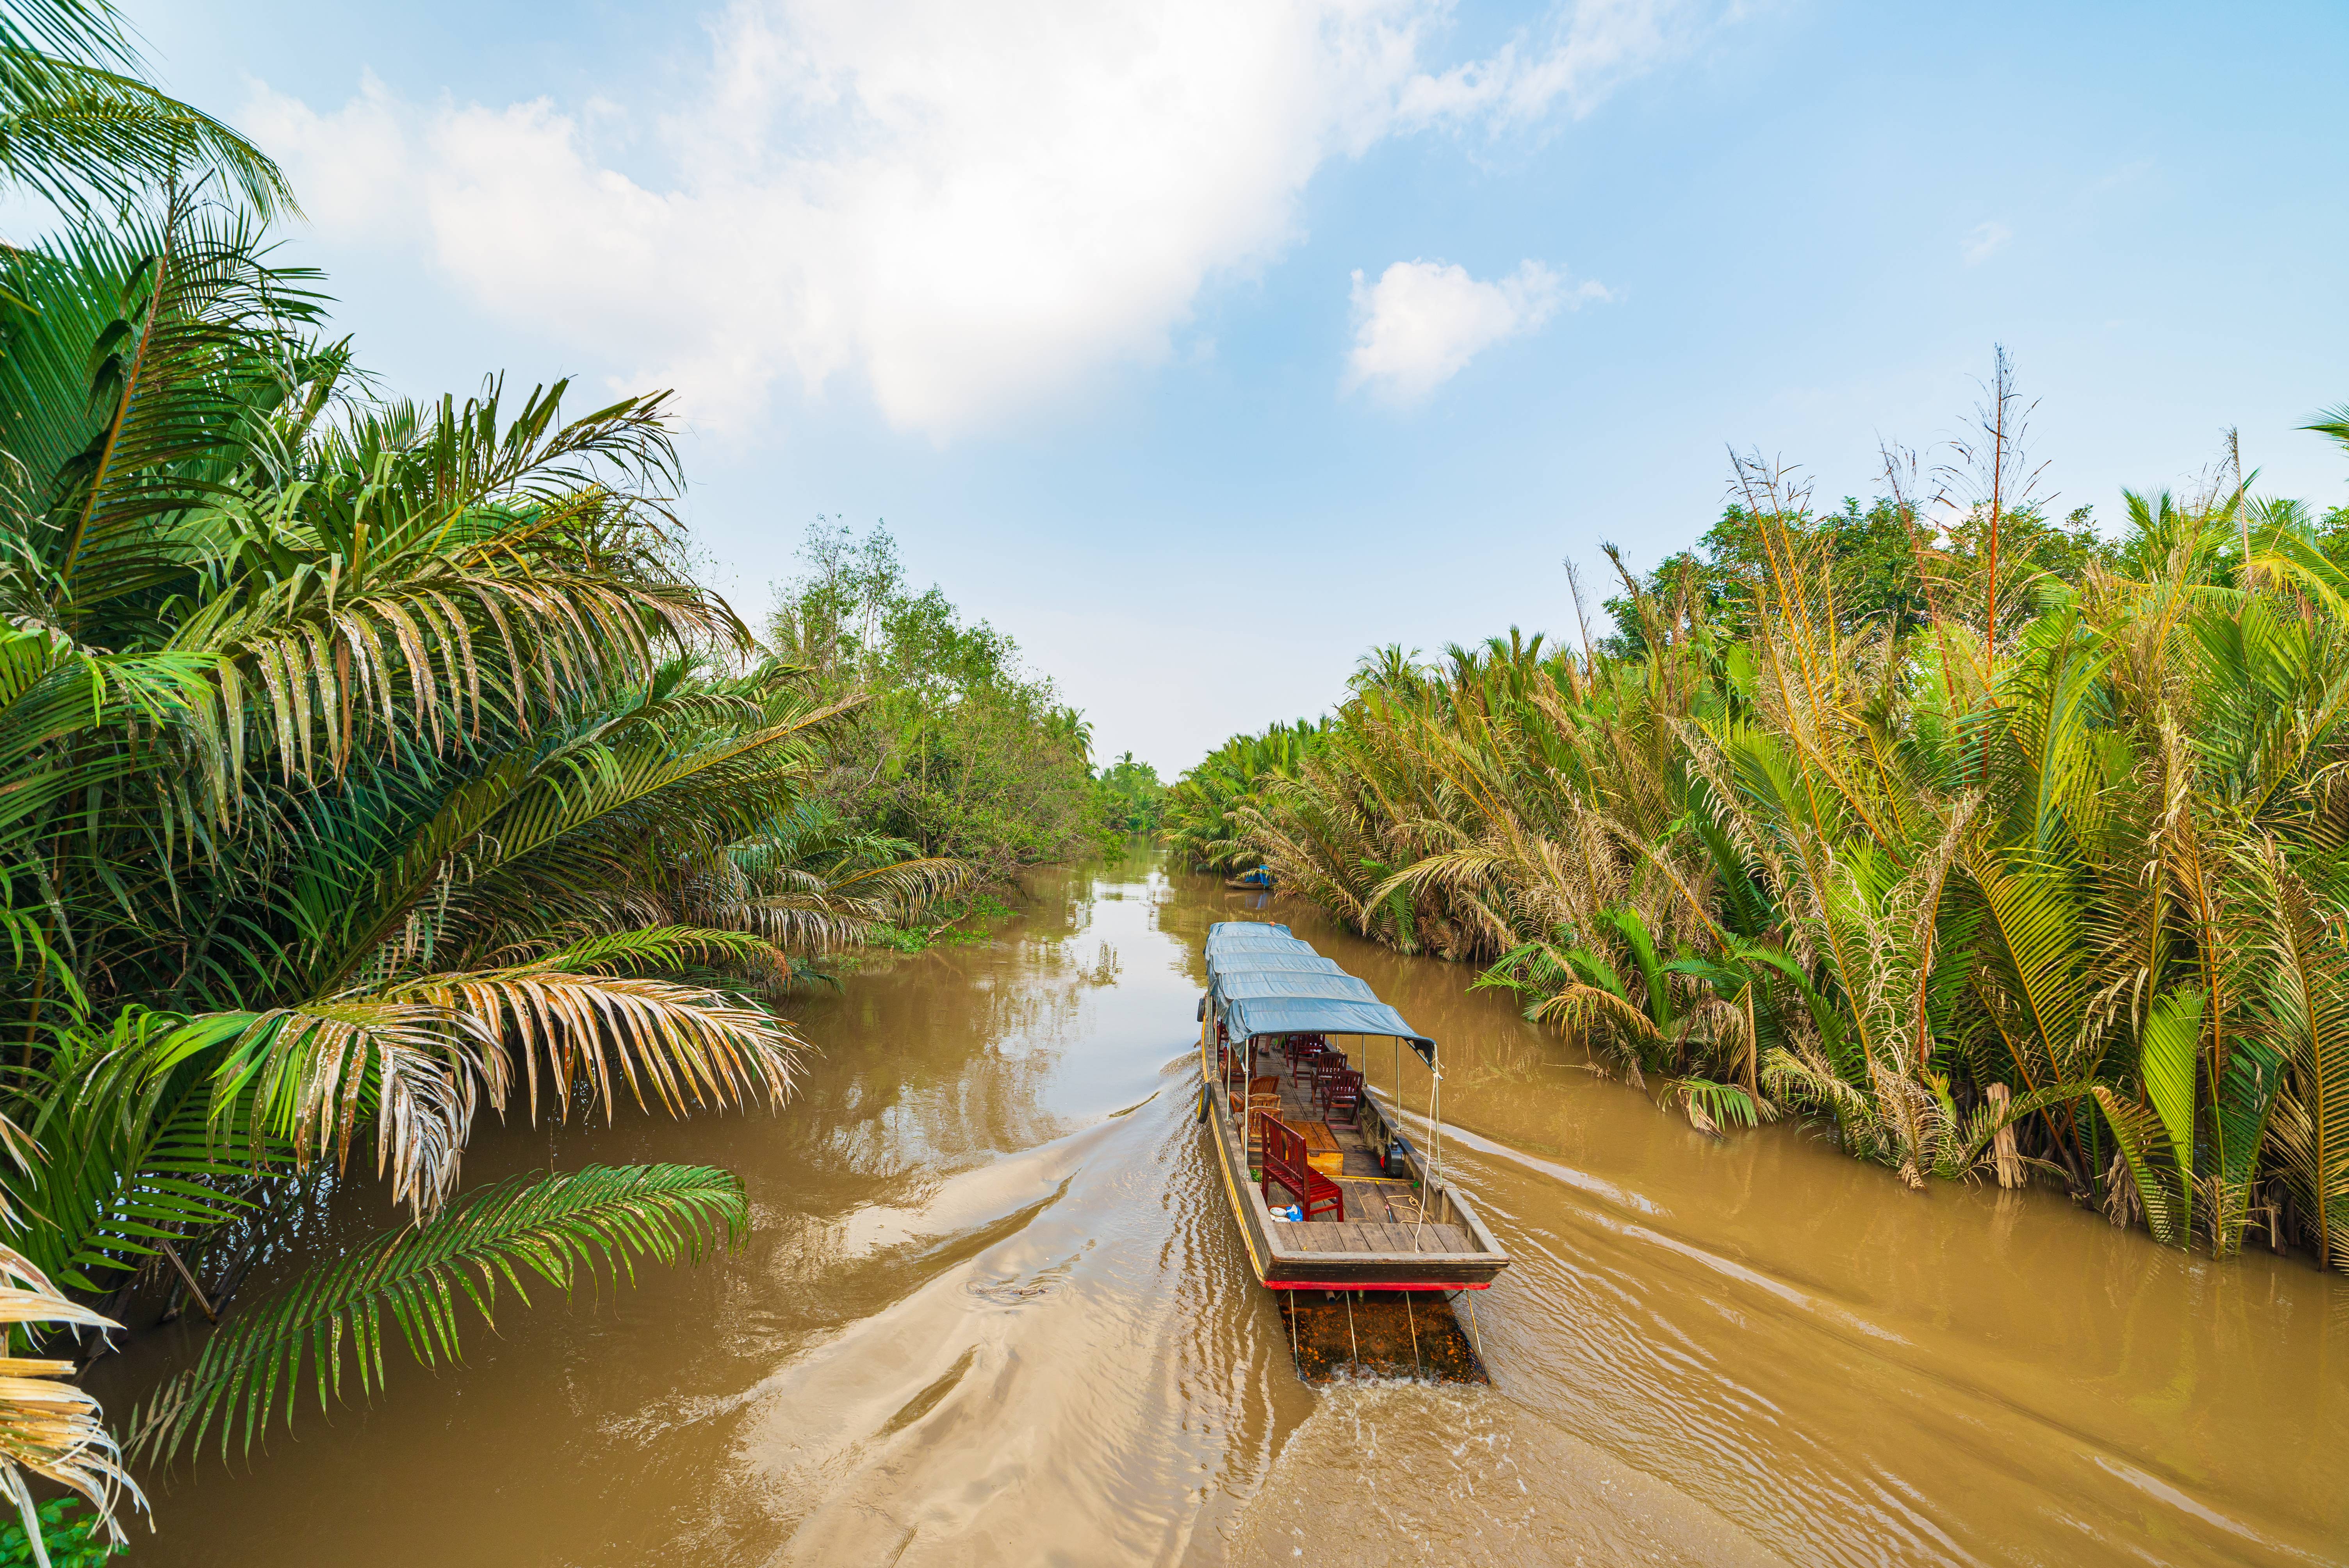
995	1311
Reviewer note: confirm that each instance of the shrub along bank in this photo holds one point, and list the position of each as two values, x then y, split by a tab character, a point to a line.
1931	831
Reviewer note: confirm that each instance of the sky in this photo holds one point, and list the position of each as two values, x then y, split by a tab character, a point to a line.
1202	345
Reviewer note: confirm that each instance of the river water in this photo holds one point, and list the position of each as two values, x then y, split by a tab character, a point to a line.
995	1311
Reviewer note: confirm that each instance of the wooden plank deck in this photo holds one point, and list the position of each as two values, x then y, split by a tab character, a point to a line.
1325	1236
1382	1213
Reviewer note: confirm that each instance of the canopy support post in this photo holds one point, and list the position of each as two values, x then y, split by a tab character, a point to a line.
1435	1140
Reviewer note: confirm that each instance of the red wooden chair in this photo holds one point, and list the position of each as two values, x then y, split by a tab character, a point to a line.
1324	1067
1341	1092
1285	1162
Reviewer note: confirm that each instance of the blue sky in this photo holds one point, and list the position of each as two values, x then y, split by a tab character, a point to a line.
1202	346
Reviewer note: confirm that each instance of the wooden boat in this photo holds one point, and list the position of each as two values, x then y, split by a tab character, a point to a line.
1257	881
1279	1027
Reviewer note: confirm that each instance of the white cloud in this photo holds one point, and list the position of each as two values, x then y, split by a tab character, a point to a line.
1422	321
1985	240
1593	47
967	207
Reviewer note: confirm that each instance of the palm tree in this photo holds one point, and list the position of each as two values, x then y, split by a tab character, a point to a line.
80	129
2052	865
363	765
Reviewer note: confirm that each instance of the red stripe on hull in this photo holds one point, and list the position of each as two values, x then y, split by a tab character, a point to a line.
1363	1284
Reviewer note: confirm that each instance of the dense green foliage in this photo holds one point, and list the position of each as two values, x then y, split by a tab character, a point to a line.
954	750
368	765
1201	813
1128	799
75	1537
1946	835
1881	579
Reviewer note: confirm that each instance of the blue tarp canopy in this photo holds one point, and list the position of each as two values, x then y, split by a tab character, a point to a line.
1239	950
1274	984
1232	960
1332	983
1320	1015
1233	935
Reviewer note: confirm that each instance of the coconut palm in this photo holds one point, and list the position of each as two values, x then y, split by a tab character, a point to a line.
80	128
364	766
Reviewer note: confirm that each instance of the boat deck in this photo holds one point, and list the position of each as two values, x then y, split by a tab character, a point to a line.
1383	1212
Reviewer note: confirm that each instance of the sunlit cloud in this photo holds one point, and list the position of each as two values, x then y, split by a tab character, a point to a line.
1421	323
963	210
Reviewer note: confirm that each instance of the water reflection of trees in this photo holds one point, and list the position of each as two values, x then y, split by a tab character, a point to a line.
951	1055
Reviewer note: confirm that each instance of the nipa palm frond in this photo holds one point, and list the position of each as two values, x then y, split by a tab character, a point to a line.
694	1045
314	1073
588	1224
84	135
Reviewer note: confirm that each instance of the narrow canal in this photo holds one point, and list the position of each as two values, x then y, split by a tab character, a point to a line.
993	1310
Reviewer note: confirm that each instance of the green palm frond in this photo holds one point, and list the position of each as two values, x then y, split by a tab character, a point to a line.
133	1153
2153	1171
87	138
582	1226
55	700
80	128
546	835
2306	1002
430	572
669	947
1710	1106
2332	422
177	379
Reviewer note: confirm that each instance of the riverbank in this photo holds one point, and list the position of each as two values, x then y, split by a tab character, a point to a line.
2010	853
990	1310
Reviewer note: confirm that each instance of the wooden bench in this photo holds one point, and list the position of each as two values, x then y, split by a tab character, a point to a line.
1285	1161
1321	1151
